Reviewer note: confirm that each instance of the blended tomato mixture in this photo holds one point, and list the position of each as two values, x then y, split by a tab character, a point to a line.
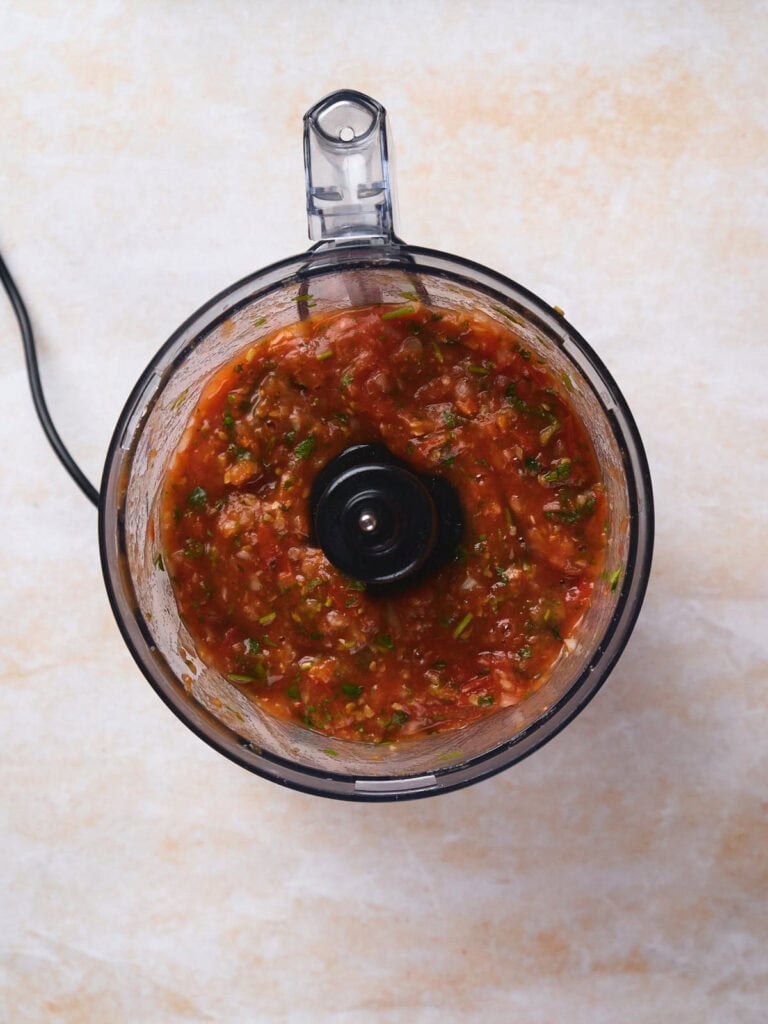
448	393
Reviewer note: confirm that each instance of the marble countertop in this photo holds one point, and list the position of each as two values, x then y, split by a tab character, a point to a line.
613	158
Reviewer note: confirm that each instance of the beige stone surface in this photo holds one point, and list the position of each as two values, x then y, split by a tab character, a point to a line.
612	157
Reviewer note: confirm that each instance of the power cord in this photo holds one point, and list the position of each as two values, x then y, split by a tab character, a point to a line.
36	387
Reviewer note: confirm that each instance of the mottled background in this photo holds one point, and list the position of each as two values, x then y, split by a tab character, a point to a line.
611	156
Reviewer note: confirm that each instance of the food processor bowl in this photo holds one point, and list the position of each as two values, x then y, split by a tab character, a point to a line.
360	261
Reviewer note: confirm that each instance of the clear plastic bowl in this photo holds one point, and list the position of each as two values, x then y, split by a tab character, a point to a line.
354	267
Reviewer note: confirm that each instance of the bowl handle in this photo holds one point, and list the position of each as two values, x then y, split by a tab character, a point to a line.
347	171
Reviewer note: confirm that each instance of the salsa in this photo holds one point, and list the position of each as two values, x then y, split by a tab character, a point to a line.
448	392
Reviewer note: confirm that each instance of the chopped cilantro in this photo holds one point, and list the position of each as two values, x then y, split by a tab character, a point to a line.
351	690
385	641
228	420
532	464
252	646
193	548
399	718
293	692
560	472
614	578
525	652
486	700
514	399
197	498
305	448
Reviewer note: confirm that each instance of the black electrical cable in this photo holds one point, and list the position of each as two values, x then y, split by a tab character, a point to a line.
36	387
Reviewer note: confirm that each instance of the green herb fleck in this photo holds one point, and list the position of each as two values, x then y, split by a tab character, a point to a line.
614	579
384	641
293	692
561	472
486	700
399	718
462	625
328	354
197	498
402	311
193	548
356	585
525	652
228	420
259	321
252	646
178	402
237	678
514	400
532	464
330	752
351	690
345	381
305	448
265	620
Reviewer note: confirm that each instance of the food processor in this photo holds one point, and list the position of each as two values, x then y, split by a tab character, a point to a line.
358	260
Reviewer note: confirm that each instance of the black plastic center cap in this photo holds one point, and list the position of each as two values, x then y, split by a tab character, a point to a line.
377	520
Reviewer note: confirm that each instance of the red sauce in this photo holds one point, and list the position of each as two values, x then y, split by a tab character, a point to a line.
449	394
